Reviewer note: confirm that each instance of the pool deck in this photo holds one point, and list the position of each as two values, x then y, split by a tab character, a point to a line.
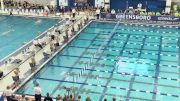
24	67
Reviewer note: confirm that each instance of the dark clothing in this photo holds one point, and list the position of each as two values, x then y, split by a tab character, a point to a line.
73	20
16	79
1	74
52	37
74	15
37	97
8	98
48	99
39	45
59	32
97	16
32	64
13	99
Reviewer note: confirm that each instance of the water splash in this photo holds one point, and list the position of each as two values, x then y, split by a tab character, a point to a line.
38	22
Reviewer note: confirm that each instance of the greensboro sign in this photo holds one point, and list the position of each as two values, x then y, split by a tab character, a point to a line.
133	17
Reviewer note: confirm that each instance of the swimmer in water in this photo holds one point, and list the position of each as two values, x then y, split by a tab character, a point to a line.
118	62
67	76
97	78
130	52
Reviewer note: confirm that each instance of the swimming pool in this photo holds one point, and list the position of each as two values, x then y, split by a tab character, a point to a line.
149	64
16	30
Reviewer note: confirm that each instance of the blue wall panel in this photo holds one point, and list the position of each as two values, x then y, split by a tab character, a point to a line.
71	3
134	3
91	2
151	5
156	6
118	4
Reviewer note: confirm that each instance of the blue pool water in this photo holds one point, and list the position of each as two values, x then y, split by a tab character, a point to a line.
139	63
14	31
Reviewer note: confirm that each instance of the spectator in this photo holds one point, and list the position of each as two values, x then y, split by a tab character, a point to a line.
37	44
88	99
52	47
58	31
98	13
73	19
59	98
8	93
48	98
113	12
114	98
62	9
67	35
17	71
16	78
52	37
79	98
13	98
73	31
41	42
58	42
74	12
64	39
33	64
71	98
87	18
37	93
23	98
65	97
1	74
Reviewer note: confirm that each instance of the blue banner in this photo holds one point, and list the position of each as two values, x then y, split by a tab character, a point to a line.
140	17
166	18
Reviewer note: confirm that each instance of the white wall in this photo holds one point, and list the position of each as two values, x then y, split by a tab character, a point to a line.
64	2
99	3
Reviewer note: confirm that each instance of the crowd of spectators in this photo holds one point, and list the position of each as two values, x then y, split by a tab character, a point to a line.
9	96
25	4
